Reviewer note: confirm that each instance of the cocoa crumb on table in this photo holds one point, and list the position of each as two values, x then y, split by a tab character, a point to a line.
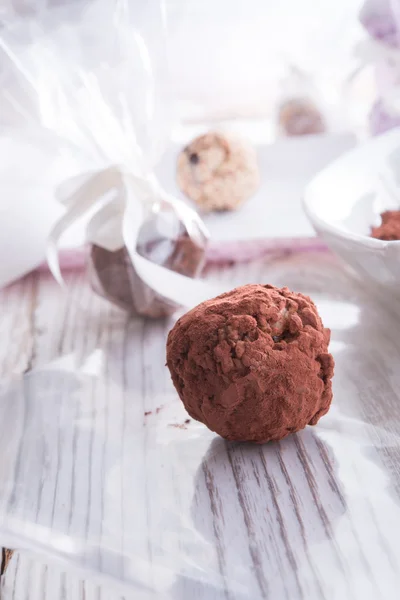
5	559
180	425
150	412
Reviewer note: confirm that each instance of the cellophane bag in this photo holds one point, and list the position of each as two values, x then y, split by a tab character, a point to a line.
87	88
90	82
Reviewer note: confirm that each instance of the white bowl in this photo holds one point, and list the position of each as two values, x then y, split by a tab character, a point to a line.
346	198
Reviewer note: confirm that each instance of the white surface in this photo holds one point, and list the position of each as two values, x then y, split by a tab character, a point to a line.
346	199
275	211
29	209
30	171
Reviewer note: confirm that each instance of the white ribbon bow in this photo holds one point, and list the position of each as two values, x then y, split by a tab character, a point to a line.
118	201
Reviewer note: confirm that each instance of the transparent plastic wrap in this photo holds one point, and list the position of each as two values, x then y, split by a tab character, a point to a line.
96	84
300	109
103	470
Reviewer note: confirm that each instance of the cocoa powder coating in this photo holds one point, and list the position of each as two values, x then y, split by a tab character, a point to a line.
389	230
253	364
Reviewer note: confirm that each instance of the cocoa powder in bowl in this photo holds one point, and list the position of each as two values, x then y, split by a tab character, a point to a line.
253	364
389	229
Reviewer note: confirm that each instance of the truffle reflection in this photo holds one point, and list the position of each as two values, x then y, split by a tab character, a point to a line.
260	507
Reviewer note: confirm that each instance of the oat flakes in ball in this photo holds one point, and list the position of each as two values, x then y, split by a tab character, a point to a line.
219	172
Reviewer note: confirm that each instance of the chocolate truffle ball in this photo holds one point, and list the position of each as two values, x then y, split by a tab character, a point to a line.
299	116
252	364
218	172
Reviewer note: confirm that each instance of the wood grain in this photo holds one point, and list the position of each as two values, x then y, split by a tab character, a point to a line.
313	517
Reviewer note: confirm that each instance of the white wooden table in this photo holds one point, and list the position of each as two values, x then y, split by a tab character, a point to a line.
314	517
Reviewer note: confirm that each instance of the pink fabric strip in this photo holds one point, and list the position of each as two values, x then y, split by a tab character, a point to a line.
217	253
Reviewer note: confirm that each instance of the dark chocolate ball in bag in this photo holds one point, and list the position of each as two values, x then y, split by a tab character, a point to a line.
164	240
